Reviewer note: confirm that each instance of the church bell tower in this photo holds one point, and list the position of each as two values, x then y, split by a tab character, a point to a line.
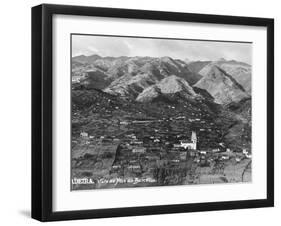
194	139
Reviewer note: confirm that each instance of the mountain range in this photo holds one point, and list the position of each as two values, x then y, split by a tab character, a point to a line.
210	97
145	79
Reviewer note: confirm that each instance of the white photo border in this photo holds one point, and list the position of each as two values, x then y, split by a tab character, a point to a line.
64	199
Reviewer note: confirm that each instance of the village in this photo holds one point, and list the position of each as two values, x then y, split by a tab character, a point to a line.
167	156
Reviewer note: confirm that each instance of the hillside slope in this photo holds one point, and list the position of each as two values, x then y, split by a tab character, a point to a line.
222	86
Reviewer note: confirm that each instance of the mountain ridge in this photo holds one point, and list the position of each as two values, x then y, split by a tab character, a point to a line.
169	85
143	78
222	86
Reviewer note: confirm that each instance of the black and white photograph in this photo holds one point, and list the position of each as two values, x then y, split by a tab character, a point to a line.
146	112
159	112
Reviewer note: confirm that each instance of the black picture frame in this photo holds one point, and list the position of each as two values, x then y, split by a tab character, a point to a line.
42	107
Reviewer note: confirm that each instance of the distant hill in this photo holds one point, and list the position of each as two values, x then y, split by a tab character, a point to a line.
240	71
85	59
222	86
130	86
196	66
134	75
95	79
169	85
125	68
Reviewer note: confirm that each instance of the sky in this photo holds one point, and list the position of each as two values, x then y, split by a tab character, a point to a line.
177	49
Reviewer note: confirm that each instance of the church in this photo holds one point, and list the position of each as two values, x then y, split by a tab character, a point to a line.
190	144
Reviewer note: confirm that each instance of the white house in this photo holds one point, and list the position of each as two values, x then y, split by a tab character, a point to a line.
132	167
156	140
225	157
238	159
245	152
139	150
76	79
216	150
83	134
116	166
203	152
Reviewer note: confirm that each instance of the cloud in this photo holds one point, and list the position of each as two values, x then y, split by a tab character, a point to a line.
180	49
